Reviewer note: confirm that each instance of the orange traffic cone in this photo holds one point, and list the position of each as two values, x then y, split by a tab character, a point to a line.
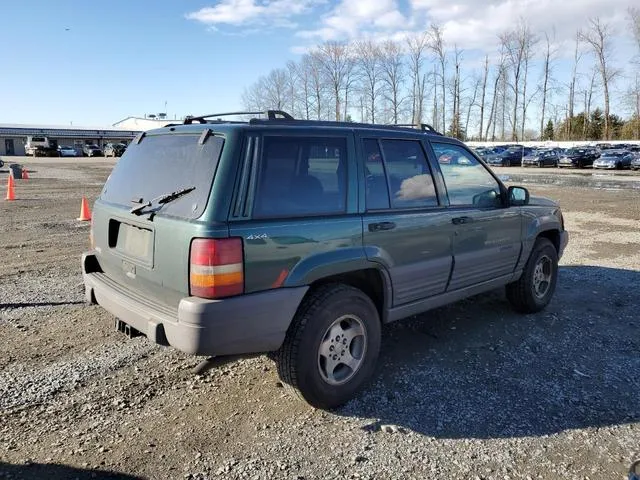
25	174
11	194
85	213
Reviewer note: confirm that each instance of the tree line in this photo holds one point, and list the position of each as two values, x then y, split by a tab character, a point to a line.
423	79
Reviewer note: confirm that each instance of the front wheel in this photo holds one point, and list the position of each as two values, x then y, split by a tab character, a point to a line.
535	288
331	347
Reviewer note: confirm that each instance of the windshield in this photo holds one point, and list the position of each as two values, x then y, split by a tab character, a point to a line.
166	163
575	151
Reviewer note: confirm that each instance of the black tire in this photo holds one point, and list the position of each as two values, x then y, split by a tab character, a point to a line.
522	293
540	164
580	164
298	360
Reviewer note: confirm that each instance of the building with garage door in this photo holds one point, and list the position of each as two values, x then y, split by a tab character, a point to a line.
14	136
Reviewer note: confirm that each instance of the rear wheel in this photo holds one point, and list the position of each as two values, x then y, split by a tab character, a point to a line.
331	347
535	288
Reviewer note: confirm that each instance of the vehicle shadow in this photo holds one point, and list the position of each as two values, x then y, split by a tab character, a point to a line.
475	369
52	471
37	304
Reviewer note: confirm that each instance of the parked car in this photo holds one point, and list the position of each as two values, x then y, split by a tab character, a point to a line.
635	162
91	151
578	157
540	158
257	237
67	151
509	157
114	149
612	159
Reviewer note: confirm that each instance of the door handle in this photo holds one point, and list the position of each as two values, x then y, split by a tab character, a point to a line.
378	227
461	220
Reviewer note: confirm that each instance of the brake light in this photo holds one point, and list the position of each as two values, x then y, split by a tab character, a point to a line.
216	267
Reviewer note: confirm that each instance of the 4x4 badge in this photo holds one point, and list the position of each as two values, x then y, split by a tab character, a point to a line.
260	236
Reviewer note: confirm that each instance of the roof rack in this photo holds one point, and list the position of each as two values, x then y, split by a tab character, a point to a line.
271	115
422	126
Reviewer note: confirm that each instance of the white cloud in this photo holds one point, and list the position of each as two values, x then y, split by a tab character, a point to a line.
253	12
349	18
471	26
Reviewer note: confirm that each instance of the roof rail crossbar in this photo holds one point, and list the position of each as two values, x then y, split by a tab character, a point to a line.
271	115
423	126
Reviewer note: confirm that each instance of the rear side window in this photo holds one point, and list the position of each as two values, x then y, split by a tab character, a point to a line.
162	164
301	176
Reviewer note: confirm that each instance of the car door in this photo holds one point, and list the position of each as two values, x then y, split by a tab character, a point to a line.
487	236
405	225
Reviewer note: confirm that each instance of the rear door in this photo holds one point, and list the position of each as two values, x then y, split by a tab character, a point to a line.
405	226
486	236
295	207
149	251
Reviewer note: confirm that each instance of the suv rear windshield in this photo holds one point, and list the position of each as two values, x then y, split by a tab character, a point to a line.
162	164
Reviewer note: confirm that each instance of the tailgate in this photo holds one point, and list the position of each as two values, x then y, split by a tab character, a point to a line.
146	249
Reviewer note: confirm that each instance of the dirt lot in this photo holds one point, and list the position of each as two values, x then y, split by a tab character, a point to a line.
467	391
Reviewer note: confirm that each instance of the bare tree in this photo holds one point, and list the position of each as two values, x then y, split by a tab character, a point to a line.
598	37
437	45
417	44
314	68
334	58
588	95
530	41
517	45
436	115
634	18
633	96
483	94
547	73
369	69
499	80
472	103
393	76
572	85
455	121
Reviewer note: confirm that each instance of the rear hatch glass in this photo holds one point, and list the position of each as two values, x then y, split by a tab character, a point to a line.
161	164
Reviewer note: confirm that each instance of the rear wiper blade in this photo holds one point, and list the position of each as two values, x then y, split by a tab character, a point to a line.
162	200
170	197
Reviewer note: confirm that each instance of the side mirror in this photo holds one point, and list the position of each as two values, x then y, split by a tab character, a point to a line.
518	196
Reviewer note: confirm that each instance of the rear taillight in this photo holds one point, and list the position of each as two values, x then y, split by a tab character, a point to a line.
216	267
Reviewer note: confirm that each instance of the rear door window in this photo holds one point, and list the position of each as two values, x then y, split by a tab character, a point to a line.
410	180
161	164
301	176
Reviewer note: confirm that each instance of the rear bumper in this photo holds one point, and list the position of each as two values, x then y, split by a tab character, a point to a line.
251	323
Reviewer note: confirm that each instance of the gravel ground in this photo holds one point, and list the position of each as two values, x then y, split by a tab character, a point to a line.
471	390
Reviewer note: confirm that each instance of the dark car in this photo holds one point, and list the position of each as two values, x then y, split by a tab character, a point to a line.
510	157
304	238
635	163
578	157
91	151
614	159
540	158
114	149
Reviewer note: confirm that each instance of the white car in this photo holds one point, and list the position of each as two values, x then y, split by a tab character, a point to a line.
65	151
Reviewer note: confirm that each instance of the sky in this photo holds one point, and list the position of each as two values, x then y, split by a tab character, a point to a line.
95	63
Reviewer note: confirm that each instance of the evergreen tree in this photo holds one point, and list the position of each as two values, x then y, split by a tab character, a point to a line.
548	131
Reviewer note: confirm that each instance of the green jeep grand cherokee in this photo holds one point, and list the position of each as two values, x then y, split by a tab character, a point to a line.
301	237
